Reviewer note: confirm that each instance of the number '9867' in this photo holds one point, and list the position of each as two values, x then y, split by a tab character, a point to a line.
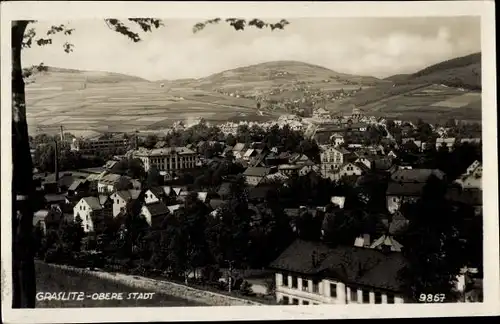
431	298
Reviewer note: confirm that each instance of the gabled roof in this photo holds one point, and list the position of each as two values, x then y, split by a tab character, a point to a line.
75	185
177	190
349	264
202	196
103	199
157	209
256	172
388	241
93	202
249	152
157	191
167	190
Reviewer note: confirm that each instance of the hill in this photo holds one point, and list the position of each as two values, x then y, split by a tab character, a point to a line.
461	72
450	89
89	101
264	78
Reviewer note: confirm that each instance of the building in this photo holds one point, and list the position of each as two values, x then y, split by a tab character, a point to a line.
155	213
337	139
332	158
353	169
121	198
406	185
472	178
168	159
86	209
448	142
107	183
311	273
254	176
100	144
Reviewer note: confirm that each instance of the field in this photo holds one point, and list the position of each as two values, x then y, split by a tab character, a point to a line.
52	280
92	102
429	102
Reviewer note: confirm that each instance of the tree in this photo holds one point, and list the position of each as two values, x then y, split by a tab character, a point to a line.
23	270
433	243
151	141
154	178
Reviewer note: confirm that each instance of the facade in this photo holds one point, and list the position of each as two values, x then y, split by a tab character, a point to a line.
448	142
352	169
472	178
332	158
85	209
101	144
154	213
305	275
254	176
121	198
168	159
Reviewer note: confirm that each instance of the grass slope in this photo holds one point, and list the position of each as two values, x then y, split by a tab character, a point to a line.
55	280
450	89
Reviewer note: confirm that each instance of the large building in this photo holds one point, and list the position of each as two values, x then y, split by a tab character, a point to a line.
100	144
168	159
311	273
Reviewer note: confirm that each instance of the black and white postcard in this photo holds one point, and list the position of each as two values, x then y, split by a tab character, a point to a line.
180	161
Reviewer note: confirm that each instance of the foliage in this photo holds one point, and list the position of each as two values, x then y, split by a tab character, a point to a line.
433	244
131	167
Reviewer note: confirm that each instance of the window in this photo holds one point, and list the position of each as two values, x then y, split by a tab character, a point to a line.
87	227
333	290
286	300
305	302
294	282
378	298
354	294
305	285
366	296
285	279
295	301
390	299
315	286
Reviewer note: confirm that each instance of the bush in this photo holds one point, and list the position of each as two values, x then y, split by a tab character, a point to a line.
246	288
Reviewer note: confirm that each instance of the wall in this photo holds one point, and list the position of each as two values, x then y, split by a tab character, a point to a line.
344	294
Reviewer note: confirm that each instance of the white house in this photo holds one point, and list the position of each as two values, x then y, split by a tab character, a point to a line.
154	213
352	169
448	142
307	273
332	158
85	209
121	198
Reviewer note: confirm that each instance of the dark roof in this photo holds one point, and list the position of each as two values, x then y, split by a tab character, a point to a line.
216	203
362	166
405	189
382	164
473	197
419	175
349	264
256	172
50	198
157	209
157	191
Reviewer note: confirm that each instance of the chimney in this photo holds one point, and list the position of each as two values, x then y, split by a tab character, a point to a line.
62	134
56	164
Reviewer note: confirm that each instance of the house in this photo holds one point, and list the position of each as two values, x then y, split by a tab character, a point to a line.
250	153
168	158
337	139
472	178
155	213
154	195
289	169
392	155
353	169
406	185
121	198
46	218
312	273
338	200
254	176
474	140
300	159
78	186
239	149
109	182
332	158
447	142
85	210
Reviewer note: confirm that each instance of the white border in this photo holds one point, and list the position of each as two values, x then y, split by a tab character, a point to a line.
80	10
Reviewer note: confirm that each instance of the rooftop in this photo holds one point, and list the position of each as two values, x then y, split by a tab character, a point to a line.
346	263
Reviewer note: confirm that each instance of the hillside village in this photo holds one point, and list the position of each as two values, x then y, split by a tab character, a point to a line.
326	209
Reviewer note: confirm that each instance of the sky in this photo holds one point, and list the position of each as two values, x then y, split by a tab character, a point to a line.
379	47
